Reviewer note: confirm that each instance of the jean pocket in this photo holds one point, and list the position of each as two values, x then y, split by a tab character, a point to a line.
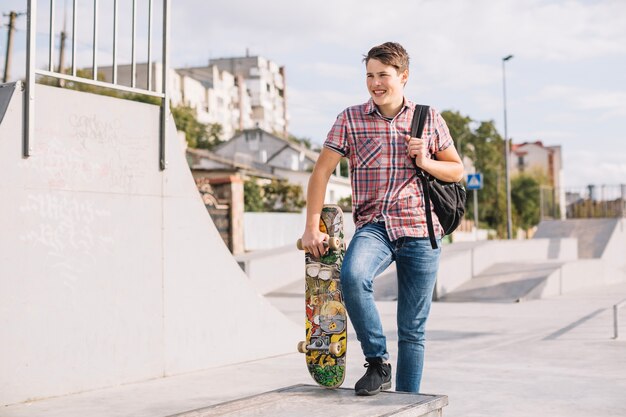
369	153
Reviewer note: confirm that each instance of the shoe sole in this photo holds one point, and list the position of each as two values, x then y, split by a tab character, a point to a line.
385	386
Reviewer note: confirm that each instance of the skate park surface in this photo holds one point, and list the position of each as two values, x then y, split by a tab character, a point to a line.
553	356
119	298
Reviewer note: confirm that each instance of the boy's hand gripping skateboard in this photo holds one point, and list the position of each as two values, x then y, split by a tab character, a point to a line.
326	319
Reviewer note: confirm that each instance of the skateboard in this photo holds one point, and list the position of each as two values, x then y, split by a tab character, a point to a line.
326	319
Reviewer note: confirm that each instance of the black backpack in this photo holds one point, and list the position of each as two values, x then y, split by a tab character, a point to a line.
448	198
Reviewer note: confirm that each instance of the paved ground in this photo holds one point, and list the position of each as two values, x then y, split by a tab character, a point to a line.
544	357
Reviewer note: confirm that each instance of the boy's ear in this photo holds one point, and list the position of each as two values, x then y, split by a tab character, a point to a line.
404	76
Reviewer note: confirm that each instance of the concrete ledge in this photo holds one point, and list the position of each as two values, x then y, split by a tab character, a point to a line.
313	401
499	251
271	269
510	282
464	261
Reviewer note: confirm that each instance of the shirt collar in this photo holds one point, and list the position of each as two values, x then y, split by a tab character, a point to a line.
370	107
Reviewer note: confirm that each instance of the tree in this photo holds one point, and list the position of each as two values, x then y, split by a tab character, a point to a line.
460	130
278	195
282	196
199	135
525	201
306	142
485	147
345	203
344	167
253	196
185	119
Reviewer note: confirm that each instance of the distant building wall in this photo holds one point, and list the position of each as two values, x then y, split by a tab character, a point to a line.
265	81
534	157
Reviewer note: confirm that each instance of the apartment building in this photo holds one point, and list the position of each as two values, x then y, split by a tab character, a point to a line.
266	86
238	93
218	97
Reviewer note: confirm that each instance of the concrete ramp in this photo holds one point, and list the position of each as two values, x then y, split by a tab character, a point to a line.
112	271
510	282
578	254
313	401
594	235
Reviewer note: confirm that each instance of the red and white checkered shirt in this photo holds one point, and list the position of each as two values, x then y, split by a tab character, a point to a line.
385	186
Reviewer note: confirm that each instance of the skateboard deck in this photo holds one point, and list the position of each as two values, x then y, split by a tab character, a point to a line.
326	319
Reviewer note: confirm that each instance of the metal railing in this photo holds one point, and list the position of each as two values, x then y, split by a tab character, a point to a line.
616	308
32	72
596	201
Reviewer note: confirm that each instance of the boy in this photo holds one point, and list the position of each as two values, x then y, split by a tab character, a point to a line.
389	214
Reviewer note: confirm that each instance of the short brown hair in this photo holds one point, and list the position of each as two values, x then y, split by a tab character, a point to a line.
389	53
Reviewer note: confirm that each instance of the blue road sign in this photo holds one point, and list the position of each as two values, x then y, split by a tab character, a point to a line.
475	181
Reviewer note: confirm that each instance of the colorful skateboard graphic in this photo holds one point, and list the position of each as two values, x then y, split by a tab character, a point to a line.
326	319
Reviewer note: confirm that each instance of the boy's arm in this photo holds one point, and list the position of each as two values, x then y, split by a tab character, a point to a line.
448	165
312	239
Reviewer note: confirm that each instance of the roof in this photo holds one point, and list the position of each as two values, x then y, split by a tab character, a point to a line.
517	147
254	170
310	154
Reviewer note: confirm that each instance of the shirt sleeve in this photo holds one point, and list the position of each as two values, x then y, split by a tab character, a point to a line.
442	138
337	138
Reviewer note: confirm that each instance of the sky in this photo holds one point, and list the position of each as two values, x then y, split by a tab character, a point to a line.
566	84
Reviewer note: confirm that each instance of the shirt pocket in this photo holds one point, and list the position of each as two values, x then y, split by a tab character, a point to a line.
369	153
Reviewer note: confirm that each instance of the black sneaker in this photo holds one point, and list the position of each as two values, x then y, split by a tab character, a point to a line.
376	378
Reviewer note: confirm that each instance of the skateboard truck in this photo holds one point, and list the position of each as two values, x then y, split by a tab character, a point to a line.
333	348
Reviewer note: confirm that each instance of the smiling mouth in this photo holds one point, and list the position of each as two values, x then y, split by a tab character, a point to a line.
379	92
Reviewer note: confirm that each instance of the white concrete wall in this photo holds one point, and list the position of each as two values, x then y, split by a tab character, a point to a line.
111	271
455	268
263	231
275	262
581	274
615	251
337	187
497	251
270	270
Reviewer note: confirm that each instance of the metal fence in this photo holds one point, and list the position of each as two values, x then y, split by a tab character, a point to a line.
32	72
595	201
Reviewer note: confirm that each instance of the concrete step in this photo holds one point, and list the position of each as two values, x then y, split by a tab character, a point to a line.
313	401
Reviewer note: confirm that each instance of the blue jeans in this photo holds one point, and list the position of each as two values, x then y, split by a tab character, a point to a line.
369	254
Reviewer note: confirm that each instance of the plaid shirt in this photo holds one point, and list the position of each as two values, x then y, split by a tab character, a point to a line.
385	186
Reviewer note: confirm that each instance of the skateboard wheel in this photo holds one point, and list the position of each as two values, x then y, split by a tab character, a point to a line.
302	347
335	348
334	243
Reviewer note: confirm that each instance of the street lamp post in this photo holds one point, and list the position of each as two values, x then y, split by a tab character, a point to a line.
507	170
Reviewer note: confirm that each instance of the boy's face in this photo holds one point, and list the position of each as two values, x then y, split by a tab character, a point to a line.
385	85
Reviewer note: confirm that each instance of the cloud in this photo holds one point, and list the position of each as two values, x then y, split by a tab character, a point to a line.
569	61
315	111
611	103
583	167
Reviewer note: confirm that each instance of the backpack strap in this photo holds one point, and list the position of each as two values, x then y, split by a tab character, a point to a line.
417	128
